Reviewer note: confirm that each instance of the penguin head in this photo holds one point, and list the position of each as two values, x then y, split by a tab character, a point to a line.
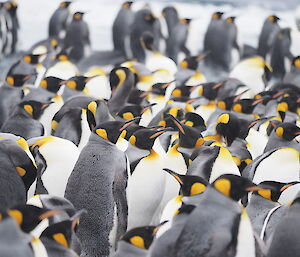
272	190
97	111
230	19
182	91
32	58
140	237
137	96
77	16
118	76
189	137
273	18
217	15
51	84
11	6
228	126
208	90
245	105
287	131
233	186
160	88
189	185
296	62
34	108
129	112
78	83
147	41
191	62
65	4
169	10
111	130
144	138
148	16
193	119
127	4
63	55
17	80
29	216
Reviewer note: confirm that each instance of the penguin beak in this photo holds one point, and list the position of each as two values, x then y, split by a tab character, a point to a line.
238	97
168	84
253	188
201	57
147	107
129	122
49	214
253	123
27	77
144	94
284	188
177	123
90	78
258	101
278	94
217	85
175	175
160	132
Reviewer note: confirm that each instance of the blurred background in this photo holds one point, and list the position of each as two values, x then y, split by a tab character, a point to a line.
34	16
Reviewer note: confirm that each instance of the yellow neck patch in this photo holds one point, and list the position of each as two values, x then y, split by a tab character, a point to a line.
27	59
224	186
102	133
93	108
28	108
174	111
137	241
200	90
197	188
22	142
122	76
189	123
199	142
61	239
282	107
54	125
63	58
16	215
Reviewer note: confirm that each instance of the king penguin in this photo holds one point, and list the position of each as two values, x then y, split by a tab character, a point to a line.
267	35
121	28
97	231
77	37
58	20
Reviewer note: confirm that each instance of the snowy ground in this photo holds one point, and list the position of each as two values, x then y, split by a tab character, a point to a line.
35	14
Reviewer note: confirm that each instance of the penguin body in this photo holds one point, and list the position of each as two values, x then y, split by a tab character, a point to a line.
54	152
77	37
58	20
267	35
10	97
285	234
143	21
176	41
109	179
121	28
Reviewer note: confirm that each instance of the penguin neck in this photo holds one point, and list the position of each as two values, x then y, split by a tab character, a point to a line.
153	155
98	139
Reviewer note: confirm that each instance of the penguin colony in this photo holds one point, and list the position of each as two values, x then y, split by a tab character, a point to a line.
148	150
